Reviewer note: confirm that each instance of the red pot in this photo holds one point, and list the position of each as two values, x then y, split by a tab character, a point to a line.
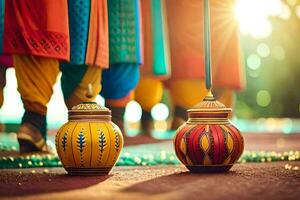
208	141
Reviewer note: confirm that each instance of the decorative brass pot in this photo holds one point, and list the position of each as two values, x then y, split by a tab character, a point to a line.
208	141
89	143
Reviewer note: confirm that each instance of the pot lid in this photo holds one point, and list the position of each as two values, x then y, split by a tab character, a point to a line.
209	105
89	110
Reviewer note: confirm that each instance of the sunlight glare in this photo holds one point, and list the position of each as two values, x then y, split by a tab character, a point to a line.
253	16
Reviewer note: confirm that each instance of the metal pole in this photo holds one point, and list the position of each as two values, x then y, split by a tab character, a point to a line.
208	76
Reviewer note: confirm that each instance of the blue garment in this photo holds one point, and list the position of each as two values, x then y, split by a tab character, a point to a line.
73	71
79	19
124	49
119	80
1	24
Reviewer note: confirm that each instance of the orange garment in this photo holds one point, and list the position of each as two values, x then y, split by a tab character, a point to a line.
148	92
146	67
187	93
37	28
36	77
185	22
98	50
92	77
120	103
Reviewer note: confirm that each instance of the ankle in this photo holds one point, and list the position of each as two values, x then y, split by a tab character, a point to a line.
36	120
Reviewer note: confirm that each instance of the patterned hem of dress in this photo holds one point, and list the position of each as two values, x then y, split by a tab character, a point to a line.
37	42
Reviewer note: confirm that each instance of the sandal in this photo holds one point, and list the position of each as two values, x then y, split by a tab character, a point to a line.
30	140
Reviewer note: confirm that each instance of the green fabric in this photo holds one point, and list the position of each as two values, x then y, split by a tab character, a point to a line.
124	35
160	51
71	77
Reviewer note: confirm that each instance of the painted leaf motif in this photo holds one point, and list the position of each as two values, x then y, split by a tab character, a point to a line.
102	142
117	142
80	142
64	142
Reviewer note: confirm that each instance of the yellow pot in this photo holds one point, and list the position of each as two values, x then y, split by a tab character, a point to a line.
89	143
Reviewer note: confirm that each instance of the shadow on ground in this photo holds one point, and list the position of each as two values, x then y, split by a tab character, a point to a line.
244	181
18	184
173	182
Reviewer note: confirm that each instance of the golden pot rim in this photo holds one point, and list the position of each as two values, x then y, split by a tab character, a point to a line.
207	110
89	110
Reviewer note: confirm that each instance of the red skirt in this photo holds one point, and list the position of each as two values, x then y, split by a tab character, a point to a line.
37	28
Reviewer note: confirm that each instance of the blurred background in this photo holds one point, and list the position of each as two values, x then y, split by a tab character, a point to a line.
271	102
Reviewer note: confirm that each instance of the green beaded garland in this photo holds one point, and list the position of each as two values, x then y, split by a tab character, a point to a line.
131	157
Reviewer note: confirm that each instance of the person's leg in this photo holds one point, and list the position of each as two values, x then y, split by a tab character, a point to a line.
118	82
225	96
36	77
148	93
117	107
2	83
75	83
187	93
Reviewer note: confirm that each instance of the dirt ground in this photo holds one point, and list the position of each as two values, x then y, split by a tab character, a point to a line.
245	181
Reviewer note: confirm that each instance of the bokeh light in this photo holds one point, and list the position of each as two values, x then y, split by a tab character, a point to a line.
285	13
263	98
57	111
100	100
278	53
263	50
12	109
287	126
271	124
133	112
292	2
160	126
297	11
254	73
260	122
253	61
160	112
